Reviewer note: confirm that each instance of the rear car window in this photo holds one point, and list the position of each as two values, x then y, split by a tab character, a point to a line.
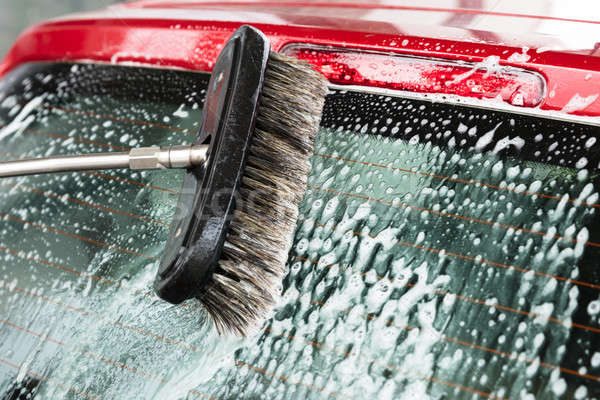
442	251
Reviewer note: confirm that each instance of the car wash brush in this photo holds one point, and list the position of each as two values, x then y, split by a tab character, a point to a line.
246	176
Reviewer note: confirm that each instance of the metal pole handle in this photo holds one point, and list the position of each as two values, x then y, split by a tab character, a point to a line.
154	157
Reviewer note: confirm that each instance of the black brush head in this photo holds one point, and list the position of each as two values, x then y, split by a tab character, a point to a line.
237	213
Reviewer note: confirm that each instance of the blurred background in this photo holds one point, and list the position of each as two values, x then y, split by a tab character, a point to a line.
16	15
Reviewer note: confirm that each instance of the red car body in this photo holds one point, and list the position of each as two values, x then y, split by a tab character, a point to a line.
189	35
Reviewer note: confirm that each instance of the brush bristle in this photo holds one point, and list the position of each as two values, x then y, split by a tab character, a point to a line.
247	283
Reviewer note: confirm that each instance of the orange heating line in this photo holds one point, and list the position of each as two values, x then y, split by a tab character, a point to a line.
112	283
311	387
567	324
105	281
66	137
426	174
348	160
581	326
448	338
314	343
456	216
463	343
49	380
84	203
473	259
88	354
459	180
44	227
439	292
444	337
286	379
283	378
195	349
100	144
445	214
118	119
453	340
74	139
165	339
483	261
74	236
131	182
472	345
388	203
389	366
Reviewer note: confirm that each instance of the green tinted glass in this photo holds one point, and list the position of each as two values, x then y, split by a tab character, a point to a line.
441	252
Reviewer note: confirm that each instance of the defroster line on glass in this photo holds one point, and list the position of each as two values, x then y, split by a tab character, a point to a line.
456	216
98	357
78	237
132	328
566	324
459	180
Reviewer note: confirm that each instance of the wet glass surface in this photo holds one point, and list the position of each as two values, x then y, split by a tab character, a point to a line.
442	252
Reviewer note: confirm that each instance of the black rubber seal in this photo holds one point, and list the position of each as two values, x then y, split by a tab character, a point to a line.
209	192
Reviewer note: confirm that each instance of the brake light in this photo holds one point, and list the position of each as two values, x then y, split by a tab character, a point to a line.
484	80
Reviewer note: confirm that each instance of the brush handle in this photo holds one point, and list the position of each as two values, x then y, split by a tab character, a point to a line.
153	157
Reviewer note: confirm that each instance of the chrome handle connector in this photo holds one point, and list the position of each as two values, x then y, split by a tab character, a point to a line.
153	157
